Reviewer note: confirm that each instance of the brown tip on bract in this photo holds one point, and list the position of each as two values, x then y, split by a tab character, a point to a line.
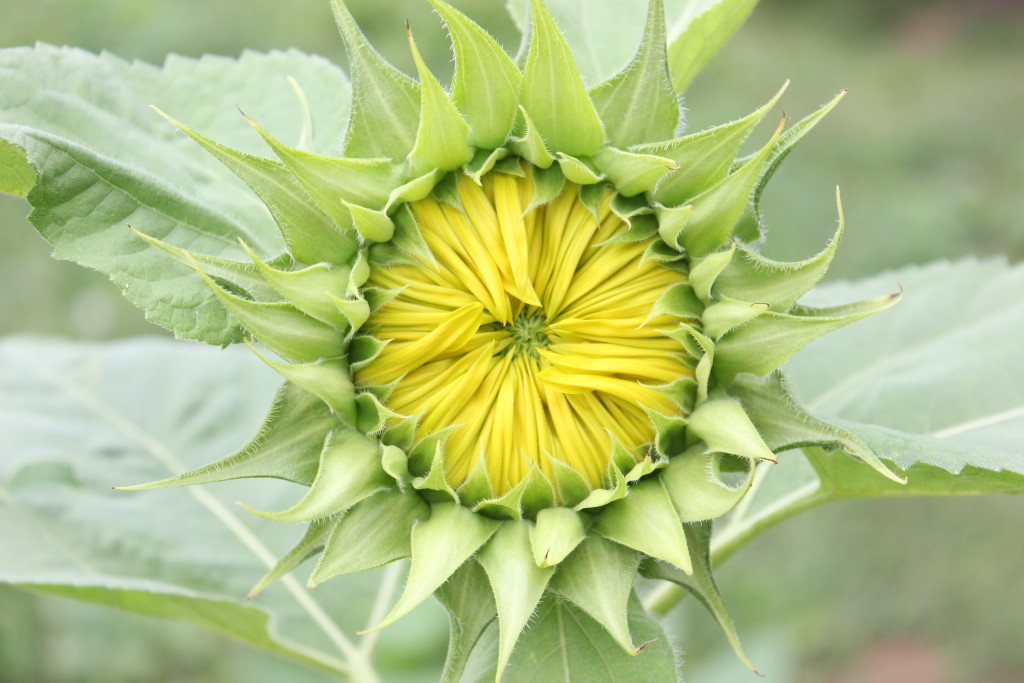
642	646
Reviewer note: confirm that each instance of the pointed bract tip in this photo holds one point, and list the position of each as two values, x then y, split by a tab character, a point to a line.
247	508
162	113
370	630
642	646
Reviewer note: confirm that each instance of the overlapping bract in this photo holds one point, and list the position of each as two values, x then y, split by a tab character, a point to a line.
378	487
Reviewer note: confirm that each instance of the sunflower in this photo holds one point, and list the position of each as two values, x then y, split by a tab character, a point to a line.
522	331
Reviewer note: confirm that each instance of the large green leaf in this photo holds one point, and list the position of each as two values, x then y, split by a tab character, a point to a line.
104	160
933	385
78	419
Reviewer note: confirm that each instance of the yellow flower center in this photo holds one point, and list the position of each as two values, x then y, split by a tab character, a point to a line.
531	332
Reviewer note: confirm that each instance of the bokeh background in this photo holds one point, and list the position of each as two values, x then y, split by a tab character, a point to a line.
929	151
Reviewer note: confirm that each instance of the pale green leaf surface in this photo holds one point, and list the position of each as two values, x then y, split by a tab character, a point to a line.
598	578
106	160
933	385
471	608
76	419
16	175
247	623
553	91
698	35
386	101
939	378
517	582
639	104
564	645
604	34
485	87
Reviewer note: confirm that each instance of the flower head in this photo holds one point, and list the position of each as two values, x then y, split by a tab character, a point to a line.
519	326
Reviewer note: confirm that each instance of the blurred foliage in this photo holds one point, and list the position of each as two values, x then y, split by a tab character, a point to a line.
929	152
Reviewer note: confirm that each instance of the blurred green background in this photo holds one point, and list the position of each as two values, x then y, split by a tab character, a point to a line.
929	151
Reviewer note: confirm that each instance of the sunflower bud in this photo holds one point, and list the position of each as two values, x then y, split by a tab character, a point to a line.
520	326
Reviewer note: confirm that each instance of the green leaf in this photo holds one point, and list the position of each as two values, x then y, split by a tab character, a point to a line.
470	604
332	181
78	418
598	578
104	159
16	175
603	34
565	645
310	544
330	380
717	209
754	278
349	472
530	145
762	345
751	224
932	385
697	38
785	425
284	329
556	534
310	290
694	482
646	520
375	532
439	546
287	446
725	427
310	234
246	623
485	87
705	157
385	102
441	139
701	583
639	103
553	91
632	173
517	582
238	274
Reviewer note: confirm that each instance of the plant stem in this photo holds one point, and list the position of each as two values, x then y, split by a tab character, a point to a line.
385	592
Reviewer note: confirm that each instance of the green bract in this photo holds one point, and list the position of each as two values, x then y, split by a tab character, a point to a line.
381	488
